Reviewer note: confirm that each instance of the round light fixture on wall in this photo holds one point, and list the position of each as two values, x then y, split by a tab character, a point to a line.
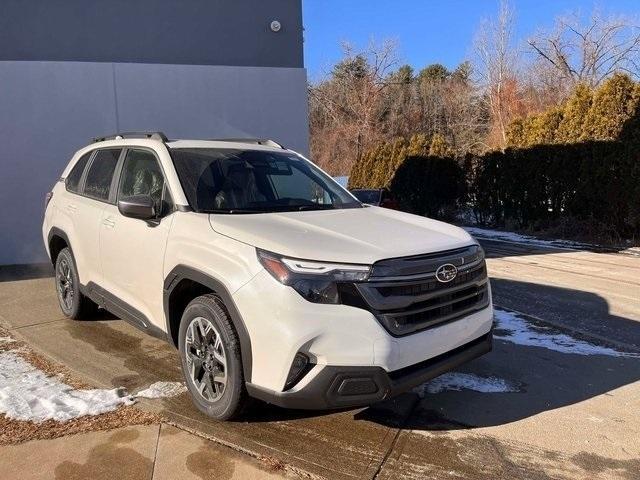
275	26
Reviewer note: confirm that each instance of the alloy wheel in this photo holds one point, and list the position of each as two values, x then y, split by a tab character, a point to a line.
206	359
65	284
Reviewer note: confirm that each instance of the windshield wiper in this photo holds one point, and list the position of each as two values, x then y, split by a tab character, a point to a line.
313	207
232	211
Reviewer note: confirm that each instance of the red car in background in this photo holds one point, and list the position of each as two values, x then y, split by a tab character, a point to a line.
380	197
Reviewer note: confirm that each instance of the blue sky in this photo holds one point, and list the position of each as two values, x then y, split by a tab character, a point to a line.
428	31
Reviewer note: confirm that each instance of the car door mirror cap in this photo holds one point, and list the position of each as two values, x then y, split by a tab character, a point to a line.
141	207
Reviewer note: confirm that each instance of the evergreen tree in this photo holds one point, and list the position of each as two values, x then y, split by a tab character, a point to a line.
438	146
613	104
434	73
403	76
574	114
544	127
462	73
355	67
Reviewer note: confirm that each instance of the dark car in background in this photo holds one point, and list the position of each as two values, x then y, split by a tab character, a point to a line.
380	197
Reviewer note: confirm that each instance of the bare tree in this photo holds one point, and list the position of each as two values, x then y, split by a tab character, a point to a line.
496	59
588	52
350	103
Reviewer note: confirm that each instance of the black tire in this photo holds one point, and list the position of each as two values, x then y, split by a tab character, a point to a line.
72	302
233	396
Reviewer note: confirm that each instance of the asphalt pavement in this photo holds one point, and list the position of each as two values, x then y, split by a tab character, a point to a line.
571	416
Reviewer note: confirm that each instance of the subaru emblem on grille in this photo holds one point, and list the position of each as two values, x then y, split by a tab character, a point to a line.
447	272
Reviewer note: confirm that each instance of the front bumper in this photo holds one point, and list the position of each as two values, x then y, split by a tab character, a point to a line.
344	386
280	323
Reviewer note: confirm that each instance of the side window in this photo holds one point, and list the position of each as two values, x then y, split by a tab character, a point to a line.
72	182
100	174
142	175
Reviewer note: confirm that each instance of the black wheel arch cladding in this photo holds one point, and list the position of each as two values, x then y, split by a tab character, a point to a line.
172	316
57	239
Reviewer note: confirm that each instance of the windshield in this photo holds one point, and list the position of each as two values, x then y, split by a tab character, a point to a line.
255	181
368	196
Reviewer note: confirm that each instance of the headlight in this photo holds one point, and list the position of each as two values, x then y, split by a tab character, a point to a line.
315	281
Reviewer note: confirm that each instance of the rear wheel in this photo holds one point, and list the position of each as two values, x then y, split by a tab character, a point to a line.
72	302
211	362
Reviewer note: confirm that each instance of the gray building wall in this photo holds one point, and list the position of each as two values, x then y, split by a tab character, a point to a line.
199	32
49	109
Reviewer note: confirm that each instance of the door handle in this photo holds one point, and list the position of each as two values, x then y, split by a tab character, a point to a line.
71	208
108	223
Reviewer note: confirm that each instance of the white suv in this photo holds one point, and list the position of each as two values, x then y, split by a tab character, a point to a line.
272	280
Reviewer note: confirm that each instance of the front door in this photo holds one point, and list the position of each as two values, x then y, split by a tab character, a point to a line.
132	250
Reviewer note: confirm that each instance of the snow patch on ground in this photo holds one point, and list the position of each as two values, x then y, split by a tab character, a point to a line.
6	340
162	390
513	328
513	237
465	381
27	393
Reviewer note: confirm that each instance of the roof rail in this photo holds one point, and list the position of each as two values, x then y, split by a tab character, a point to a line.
258	141
124	135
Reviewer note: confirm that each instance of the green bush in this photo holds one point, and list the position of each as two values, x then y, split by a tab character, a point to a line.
544	185
429	185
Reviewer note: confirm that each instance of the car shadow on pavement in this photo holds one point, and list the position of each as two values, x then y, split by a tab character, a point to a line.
545	379
575	309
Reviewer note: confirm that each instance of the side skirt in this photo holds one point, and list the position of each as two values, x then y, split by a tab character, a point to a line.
121	309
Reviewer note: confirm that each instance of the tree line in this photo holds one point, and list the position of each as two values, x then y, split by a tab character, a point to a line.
515	137
573	170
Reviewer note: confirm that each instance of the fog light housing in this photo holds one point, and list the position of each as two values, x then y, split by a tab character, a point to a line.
300	366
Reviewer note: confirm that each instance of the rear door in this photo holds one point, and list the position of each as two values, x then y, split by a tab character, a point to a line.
132	250
89	193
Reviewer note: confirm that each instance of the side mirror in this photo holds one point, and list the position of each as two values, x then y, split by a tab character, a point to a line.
138	206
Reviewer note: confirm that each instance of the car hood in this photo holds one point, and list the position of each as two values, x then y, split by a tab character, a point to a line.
358	235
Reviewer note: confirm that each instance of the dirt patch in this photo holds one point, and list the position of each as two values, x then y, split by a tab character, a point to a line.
19	431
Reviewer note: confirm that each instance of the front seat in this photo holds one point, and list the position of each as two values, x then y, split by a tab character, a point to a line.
239	189
148	182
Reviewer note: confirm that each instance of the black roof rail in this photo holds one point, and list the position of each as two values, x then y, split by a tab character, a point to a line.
124	135
258	141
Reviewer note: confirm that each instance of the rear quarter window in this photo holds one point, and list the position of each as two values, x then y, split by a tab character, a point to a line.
72	182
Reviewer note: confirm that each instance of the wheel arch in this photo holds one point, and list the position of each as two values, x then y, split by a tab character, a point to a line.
182	285
57	240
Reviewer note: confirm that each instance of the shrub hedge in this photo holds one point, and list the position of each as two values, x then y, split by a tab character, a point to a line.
587	187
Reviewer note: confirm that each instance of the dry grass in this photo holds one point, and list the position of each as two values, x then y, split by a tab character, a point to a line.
18	431
274	464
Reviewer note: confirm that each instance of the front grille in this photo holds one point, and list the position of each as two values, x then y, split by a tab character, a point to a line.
431	285
406	297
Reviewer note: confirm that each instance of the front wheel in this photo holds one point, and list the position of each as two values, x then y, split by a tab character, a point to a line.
211	362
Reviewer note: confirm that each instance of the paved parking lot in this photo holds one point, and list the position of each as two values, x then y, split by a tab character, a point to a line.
569	415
